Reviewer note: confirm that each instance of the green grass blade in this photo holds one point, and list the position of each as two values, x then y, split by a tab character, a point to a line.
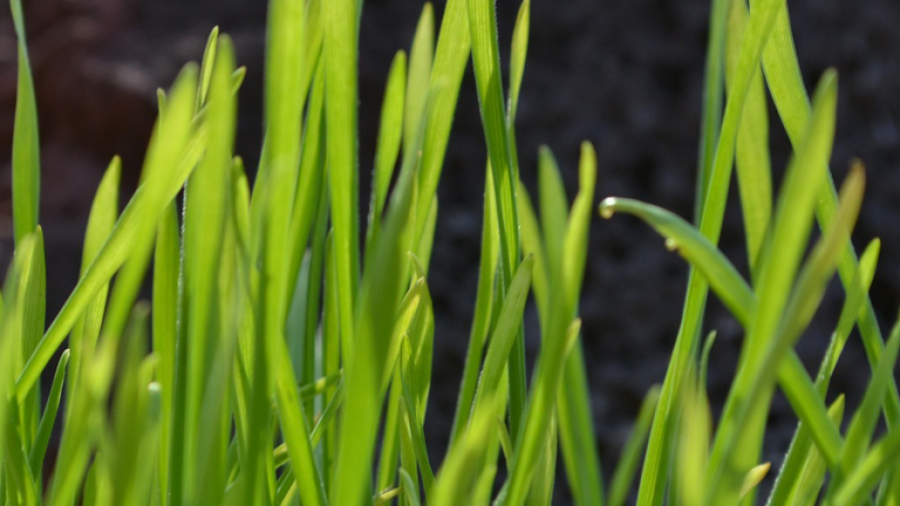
693	246
850	313
341	39
657	462
364	368
792	102
101	220
693	444
554	214
505	333
206	66
462	467
165	328
481	321
575	416
390	136
170	159
858	485
810	481
631	452
517	57
713	93
421	58
862	426
29	313
778	320
541	493
541	401
752	155
26	155
204	227
450	59
486	61
48	419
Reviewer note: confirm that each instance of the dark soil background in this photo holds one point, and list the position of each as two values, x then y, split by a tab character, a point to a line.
625	75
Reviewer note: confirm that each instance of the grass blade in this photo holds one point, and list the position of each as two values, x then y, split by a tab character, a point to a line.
26	154
631	453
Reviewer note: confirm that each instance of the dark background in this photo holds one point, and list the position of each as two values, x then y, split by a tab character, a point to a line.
625	75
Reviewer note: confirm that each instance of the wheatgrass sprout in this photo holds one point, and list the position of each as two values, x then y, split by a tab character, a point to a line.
282	360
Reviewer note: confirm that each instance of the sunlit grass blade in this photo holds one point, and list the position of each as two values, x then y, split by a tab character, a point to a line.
486	62
693	443
518	54
460	471
364	367
390	136
752	152
575	416
164	330
658	459
850	313
713	93
421	58
48	419
541	492
101	220
504	334
781	314
29	313
450	59
858	485
340	18
481	321
695	248
79	434
541	403
631	452
170	159
809	482
862	426
205	213
785	83
207	64
26	154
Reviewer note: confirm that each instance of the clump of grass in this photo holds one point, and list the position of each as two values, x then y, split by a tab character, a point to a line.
277	352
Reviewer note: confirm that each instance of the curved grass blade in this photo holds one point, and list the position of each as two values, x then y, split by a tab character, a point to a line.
26	154
694	247
658	460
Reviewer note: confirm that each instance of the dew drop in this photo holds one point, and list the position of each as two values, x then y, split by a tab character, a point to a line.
606	208
671	245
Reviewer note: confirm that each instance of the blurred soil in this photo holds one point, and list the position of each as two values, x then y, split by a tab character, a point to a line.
624	75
